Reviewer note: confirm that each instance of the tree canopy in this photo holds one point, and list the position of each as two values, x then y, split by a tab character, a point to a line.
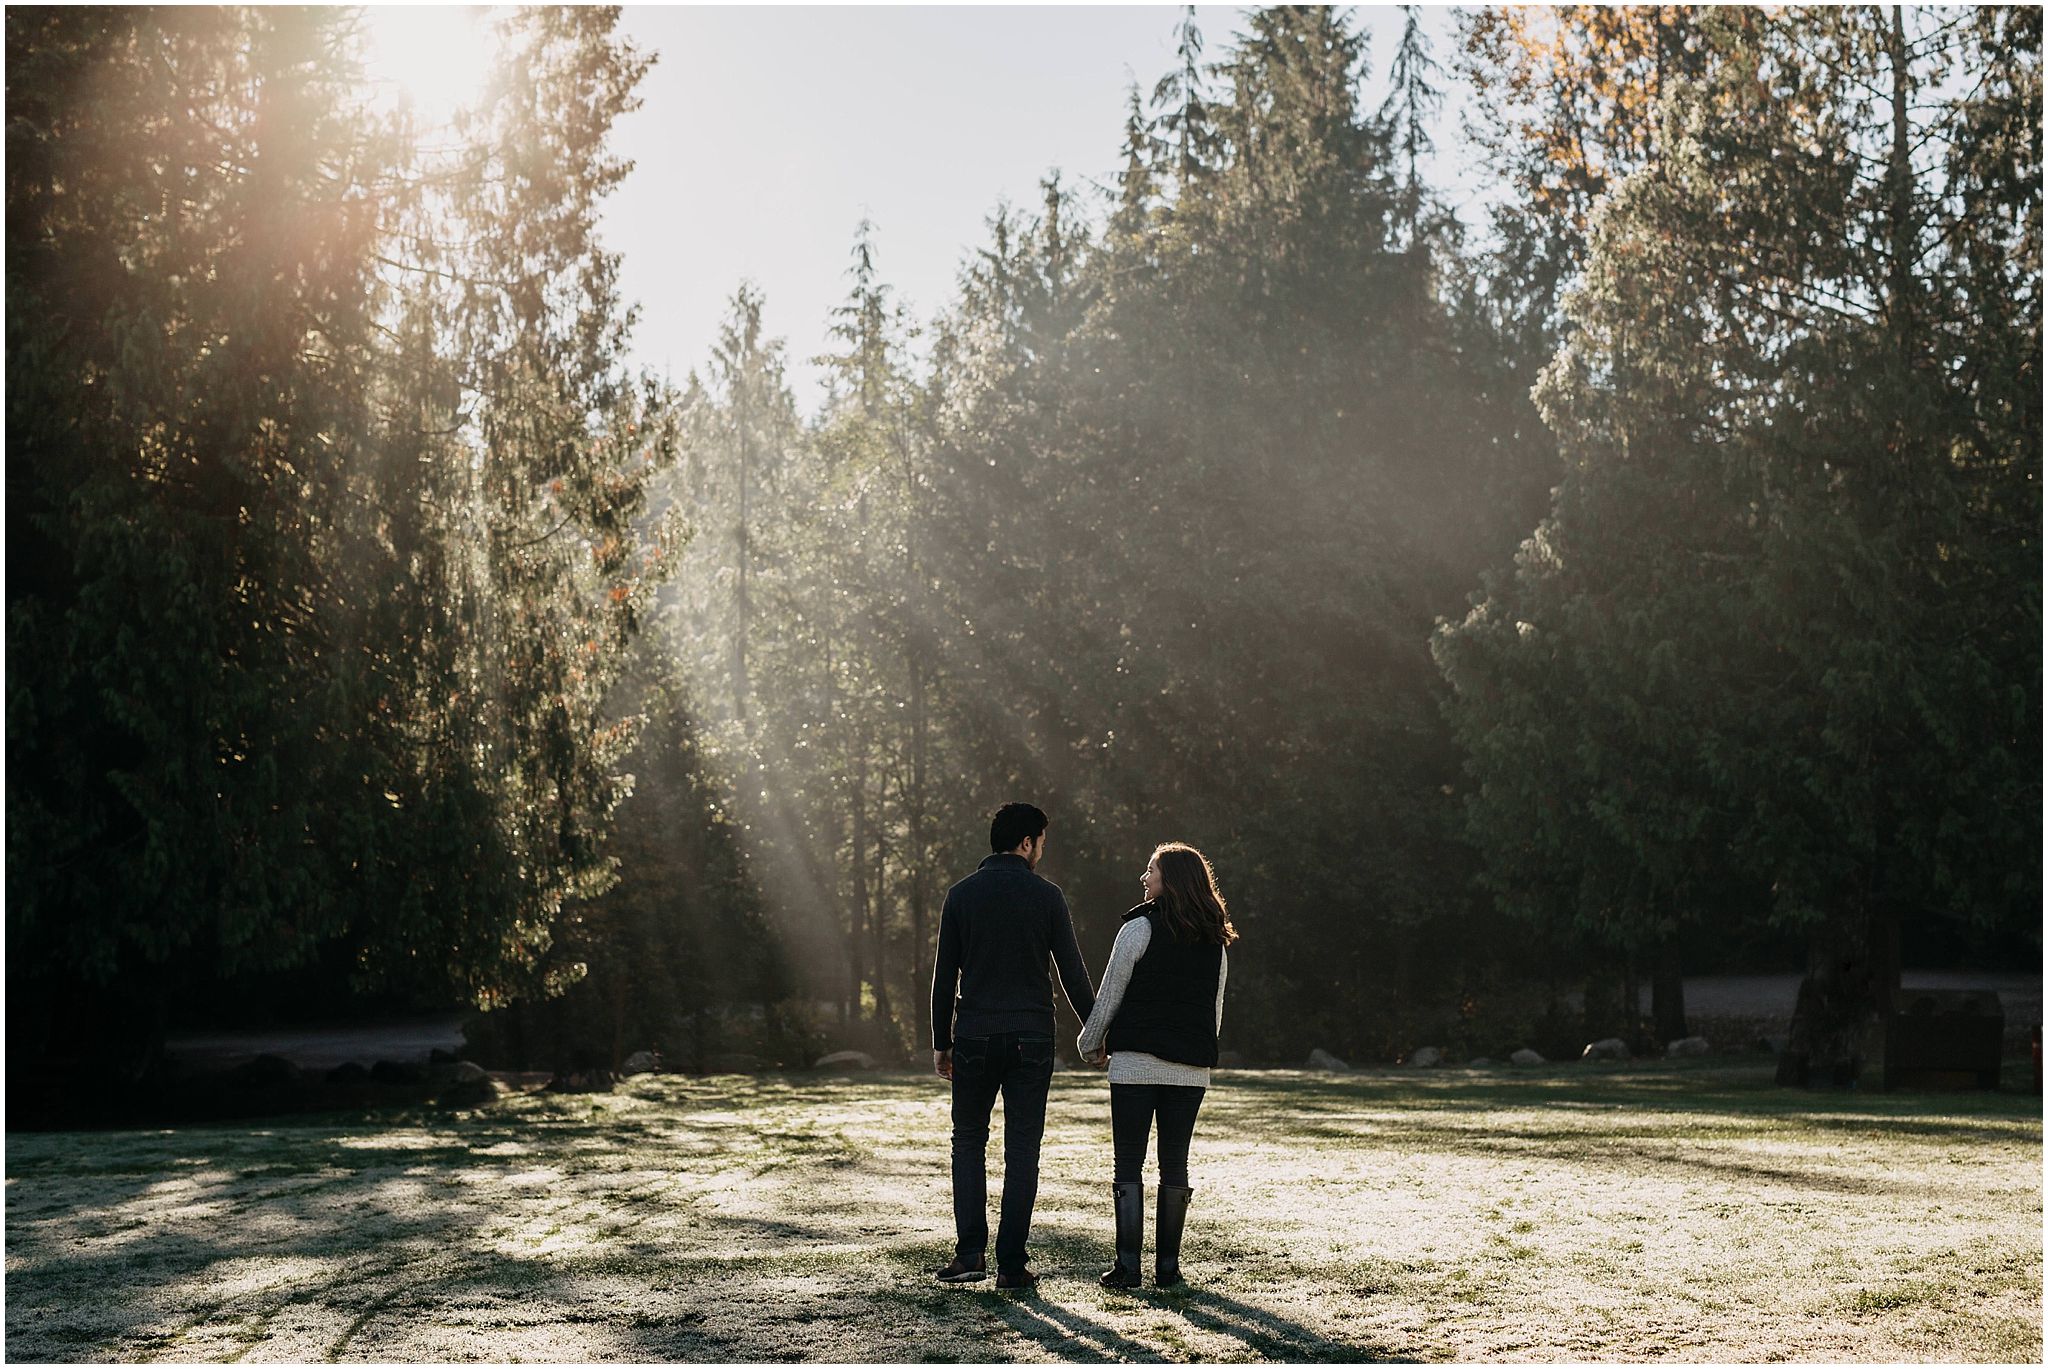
1654	565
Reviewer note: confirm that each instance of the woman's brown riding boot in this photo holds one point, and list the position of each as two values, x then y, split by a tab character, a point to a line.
1130	1237
1173	1219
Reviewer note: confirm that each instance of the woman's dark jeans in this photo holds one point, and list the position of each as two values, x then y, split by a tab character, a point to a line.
1131	1109
1019	1066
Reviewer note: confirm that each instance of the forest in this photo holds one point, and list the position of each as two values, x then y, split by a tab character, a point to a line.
1642	579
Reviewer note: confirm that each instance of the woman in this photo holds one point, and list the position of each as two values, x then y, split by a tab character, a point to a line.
1157	1016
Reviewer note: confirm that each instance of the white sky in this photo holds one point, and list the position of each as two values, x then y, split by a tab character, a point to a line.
767	133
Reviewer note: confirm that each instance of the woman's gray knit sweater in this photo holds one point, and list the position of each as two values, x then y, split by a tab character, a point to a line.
1136	1067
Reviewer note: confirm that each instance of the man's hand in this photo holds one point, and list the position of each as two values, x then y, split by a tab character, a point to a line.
942	1061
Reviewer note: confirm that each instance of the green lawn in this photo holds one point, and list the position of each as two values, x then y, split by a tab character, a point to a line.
1567	1213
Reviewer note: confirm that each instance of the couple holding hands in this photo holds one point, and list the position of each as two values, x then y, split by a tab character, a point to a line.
1153	1025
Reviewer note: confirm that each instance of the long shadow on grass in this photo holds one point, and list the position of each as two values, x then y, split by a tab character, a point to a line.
368	1214
1038	1316
364	1210
1266	1333
1678	1152
1067	1333
59	1305
367	1210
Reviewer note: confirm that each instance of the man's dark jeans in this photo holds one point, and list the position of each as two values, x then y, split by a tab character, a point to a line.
1019	1066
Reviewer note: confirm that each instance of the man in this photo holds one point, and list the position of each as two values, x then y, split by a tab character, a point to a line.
998	928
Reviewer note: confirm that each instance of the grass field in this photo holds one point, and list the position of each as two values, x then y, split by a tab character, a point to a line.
1572	1213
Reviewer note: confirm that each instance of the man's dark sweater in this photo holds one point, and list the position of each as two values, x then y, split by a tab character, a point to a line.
999	927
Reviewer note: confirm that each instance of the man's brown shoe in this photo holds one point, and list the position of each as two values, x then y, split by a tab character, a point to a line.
962	1271
1023	1278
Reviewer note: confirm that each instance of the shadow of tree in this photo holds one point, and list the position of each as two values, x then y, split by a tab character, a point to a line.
788	1220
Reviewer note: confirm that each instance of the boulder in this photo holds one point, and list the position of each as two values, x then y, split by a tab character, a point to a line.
466	1072
1687	1045
1607	1048
599	1080
438	1056
845	1060
348	1072
1426	1057
1320	1059
639	1062
398	1072
1525	1056
1482	1063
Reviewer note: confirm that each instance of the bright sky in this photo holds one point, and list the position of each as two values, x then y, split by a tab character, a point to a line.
767	133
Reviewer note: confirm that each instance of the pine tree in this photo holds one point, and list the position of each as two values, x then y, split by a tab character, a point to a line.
1186	115
871	447
1137	183
1412	103
1565	107
1777	586
309	686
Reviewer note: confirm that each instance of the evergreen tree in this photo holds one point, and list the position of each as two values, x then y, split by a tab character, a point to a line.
1772	616
1411	105
323	454
1137	190
1565	107
873	562
1186	115
746	635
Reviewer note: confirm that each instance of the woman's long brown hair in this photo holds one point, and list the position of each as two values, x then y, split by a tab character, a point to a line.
1194	910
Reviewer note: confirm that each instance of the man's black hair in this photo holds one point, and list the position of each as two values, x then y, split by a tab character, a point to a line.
1015	824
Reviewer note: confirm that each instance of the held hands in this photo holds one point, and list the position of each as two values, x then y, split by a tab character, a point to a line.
1098	1058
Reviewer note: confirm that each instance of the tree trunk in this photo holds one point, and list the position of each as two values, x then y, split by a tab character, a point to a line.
1899	303
1884	951
1632	1006
856	960
861	929
920	948
1852	973
618	1021
849	994
1606	1014
915	800
1667	993
885	1008
740	686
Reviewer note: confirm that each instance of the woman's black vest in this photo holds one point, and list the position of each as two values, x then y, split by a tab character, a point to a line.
1169	1009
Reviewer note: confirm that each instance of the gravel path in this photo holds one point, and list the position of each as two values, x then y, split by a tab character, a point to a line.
322	1048
1760	1001
1768	998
